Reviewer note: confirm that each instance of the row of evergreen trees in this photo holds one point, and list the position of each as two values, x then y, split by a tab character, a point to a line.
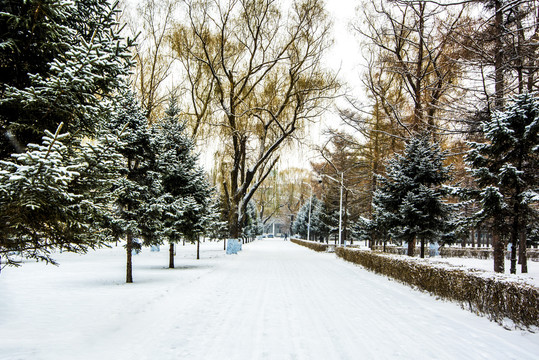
414	202
318	226
80	165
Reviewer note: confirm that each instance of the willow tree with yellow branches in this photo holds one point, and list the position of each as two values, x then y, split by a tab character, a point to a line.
257	79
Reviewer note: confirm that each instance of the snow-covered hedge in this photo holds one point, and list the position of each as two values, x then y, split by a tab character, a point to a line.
477	253
481	253
448	251
316	246
397	250
483	293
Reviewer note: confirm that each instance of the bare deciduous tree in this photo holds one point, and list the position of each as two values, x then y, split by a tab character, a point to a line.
257	78
411	42
152	22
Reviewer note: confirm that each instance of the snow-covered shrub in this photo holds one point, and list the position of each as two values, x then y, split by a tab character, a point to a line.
311	245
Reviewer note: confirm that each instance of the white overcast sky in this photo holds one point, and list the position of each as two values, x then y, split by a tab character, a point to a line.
345	58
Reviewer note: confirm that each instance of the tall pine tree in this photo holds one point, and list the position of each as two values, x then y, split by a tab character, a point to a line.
141	185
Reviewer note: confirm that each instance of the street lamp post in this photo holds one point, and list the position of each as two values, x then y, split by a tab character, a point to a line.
340	211
340	203
310	205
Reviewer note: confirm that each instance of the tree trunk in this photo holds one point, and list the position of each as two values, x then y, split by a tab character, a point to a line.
171	256
129	250
499	86
198	248
345	220
411	247
498	252
422	248
233	222
522	256
514	237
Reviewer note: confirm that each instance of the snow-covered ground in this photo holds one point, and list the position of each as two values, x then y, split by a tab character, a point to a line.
532	277
274	300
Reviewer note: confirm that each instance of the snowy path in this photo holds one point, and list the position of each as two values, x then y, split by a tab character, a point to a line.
277	300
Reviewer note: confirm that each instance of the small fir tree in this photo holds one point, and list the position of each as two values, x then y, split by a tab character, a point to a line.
253	226
186	194
137	215
408	204
300	223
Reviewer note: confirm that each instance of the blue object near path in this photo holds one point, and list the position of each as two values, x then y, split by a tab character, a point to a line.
233	246
434	249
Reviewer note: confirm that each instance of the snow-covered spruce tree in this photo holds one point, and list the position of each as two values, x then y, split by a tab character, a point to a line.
408	204
217	224
319	220
253	226
300	224
53	201
186	196
506	168
136	213
366	230
38	213
58	60
212	223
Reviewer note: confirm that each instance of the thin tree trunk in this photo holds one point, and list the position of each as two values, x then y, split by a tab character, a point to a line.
522	256
198	248
418	109
129	251
515	235
498	249
422	248
171	256
411	247
499	86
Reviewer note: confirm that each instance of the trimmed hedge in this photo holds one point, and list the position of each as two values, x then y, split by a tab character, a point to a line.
399	250
489	296
320	247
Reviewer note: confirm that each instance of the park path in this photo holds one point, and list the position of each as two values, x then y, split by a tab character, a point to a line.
278	300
